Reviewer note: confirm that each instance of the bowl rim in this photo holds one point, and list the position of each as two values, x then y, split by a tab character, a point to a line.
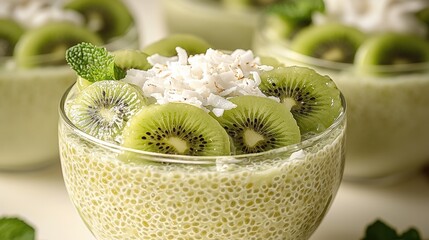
196	160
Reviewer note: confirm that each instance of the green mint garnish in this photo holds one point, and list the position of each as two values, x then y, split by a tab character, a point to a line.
381	231
93	63
15	229
297	11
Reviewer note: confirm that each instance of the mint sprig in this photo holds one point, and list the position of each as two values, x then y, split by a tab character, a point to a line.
93	63
297	11
12	228
381	231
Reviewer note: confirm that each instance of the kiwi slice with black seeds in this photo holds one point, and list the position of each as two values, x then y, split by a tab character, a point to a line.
176	128
259	124
313	99
332	42
10	32
103	108
392	49
167	46
47	45
109	18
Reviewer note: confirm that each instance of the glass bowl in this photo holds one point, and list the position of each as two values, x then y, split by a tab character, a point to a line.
280	194
29	101
387	132
225	28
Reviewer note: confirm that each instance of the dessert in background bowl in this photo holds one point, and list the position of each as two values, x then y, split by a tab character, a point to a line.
192	144
377	54
227	24
34	36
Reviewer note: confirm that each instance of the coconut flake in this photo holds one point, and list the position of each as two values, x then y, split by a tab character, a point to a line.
203	80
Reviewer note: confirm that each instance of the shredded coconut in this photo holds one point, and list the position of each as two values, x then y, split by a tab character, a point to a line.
376	15
203	80
31	14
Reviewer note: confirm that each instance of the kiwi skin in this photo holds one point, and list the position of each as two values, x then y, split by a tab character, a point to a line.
176	128
392	49
113	15
10	32
313	99
332	42
51	41
167	46
259	124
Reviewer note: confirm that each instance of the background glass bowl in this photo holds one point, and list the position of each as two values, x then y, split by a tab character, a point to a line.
387	132
29	101
129	194
224	28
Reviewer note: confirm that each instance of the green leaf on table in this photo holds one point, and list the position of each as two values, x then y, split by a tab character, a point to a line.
15	229
381	231
93	63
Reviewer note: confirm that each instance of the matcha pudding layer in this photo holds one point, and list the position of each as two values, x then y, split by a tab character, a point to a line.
34	36
227	24
193	143
379	58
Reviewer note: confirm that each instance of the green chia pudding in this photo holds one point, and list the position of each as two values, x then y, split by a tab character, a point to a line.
34	36
166	161
227	24
379	59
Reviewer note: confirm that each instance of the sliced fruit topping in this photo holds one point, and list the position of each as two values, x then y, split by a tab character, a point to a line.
131	59
313	99
259	124
331	42
52	40
103	108
392	49
107	18
176	128
10	32
167	46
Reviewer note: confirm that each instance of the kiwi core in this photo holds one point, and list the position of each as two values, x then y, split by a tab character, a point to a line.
251	138
177	143
289	102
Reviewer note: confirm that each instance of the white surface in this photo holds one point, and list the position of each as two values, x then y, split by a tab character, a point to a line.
40	196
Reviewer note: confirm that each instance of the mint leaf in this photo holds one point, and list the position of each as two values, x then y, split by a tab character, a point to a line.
411	234
381	231
297	11
93	63
15	229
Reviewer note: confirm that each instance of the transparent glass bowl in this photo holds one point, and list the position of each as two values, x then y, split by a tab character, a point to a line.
29	101
224	28
387	133
122	193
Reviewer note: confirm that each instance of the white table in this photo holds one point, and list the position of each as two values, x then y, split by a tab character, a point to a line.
40	197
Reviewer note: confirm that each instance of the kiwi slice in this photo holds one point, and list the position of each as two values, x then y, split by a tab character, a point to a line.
313	99
109	18
259	124
47	44
10	32
332	42
103	108
176	128
131	59
392	49
167	46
